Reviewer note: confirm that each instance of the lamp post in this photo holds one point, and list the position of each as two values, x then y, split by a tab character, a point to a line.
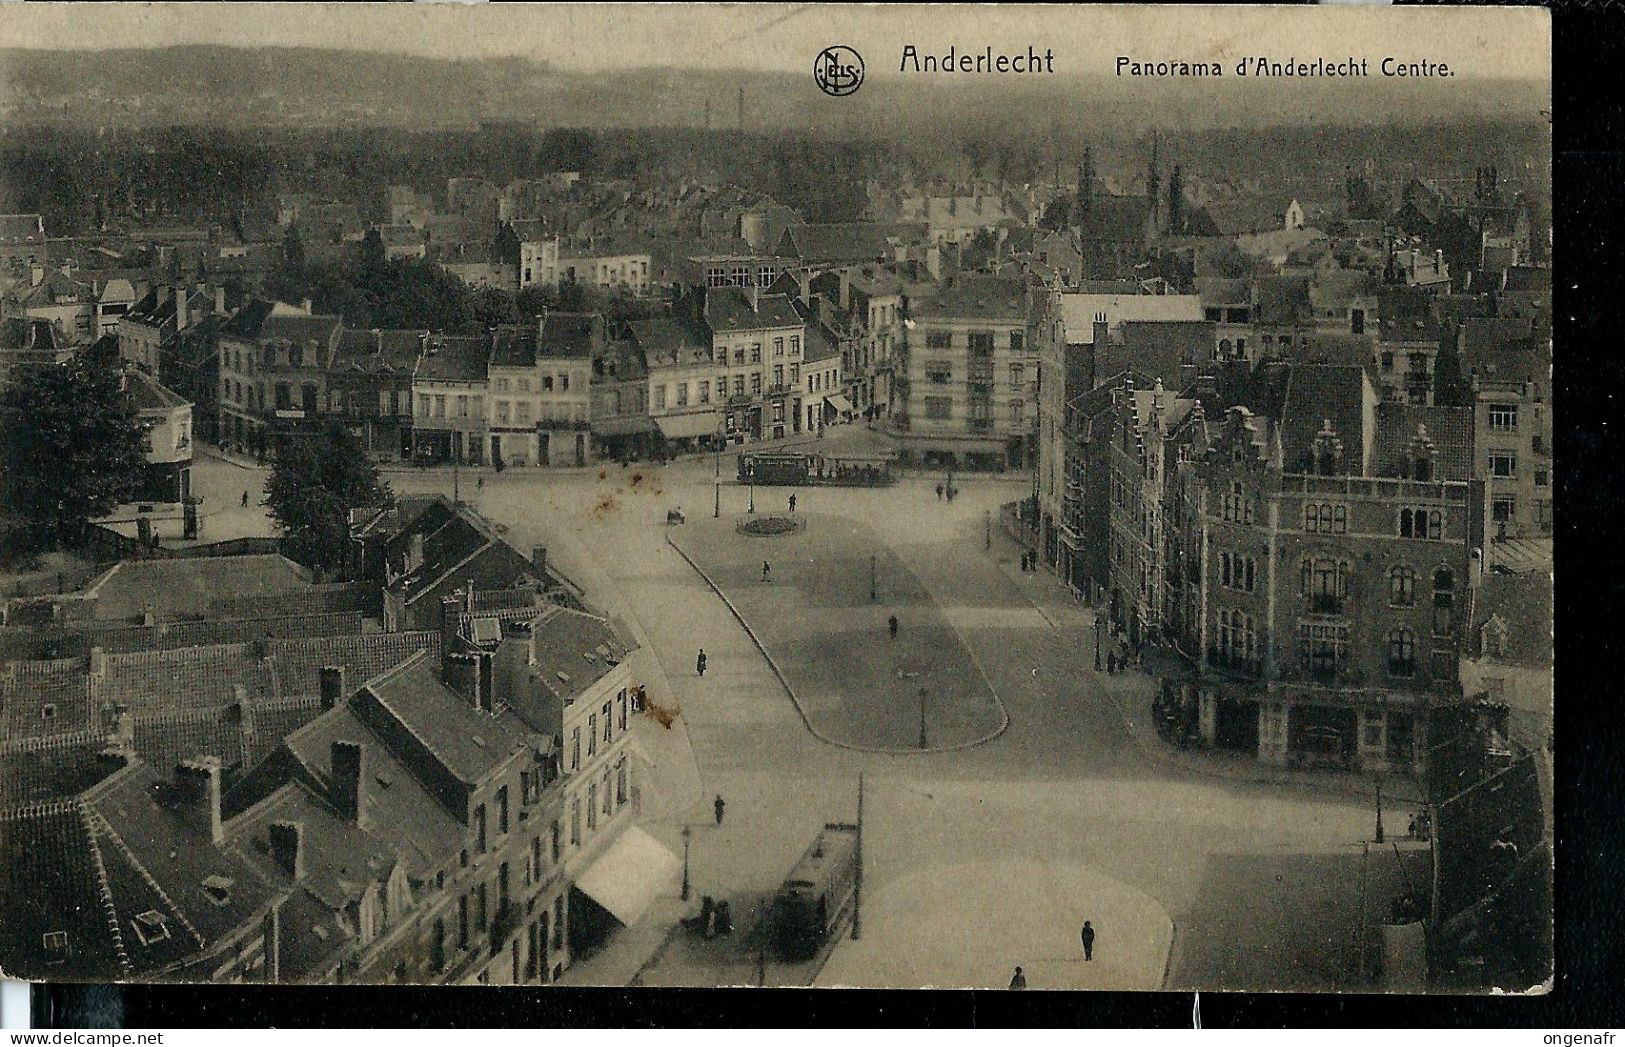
1379	810
872	593
751	508
1100	626
716	505
922	718
987	540
687	832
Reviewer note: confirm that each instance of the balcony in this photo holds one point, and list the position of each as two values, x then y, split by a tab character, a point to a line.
1233	664
1325	603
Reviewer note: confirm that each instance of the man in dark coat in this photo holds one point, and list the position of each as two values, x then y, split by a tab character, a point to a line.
699	662
1088	935
718	805
1018	980
891	624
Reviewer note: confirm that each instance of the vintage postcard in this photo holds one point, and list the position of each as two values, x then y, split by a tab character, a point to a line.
776	495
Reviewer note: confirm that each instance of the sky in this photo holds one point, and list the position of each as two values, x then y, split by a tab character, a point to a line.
1494	42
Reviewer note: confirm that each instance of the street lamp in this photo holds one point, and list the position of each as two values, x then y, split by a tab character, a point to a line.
1100	626
716	505
751	508
687	832
872	595
922	718
1379	810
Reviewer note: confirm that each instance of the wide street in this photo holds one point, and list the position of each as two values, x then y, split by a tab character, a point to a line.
977	858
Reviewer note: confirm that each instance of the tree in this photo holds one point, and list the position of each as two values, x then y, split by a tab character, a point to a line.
73	450
315	481
372	249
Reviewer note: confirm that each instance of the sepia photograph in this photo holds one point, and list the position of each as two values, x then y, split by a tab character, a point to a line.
765	495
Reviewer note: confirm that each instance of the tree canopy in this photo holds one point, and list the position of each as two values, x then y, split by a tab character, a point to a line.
315	481
71	449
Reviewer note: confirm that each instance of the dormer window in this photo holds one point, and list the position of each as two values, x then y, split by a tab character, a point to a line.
55	944
151	927
218	888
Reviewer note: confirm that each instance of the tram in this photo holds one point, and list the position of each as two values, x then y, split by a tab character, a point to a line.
795	469
816	898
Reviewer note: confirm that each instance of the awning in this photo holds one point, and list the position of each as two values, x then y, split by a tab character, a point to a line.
688	426
626	878
839	402
626	426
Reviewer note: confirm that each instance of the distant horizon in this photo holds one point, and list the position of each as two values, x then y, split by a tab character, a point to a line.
1481	44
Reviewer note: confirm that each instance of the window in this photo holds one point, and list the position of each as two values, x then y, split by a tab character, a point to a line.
1237	506
1503	418
756	384
795	373
479	828
705	391
1326	583
592	807
1017	340
939	340
1504	508
778	347
1237	572
575	822
1421	523
575	748
1236	636
756	352
609	722
622	704
1444	601
739	354
1325	518
151	927
795	345
462	922
620	781
1387	361
609	797
1402	587
1018	376
1402	652
482	907
1322	648
981	344
938	372
938	407
1542	478
739	385
682	394
502	809
1017	409
503	408
1503	465
778	375
592	734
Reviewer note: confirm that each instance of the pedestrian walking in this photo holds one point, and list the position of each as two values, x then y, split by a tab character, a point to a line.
718	804
766	567
699	662
1018	980
479	483
792	503
891	625
1088	935
245	499
939	492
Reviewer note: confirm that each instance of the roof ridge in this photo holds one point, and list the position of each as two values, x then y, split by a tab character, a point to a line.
103	888
97	819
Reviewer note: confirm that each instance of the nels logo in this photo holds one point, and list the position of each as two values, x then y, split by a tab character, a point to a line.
838	70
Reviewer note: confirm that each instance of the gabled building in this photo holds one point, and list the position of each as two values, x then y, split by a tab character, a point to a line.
370	387
450	384
541	389
274	363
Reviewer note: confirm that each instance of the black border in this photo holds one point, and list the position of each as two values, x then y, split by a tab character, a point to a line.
1588	176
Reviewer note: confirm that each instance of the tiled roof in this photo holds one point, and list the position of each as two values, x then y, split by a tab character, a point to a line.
378	351
568	334
1282	301
302	328
1318	394
847	241
1523	605
149	394
467	743
668	340
973	296
185	585
455	358
1450	429
514	345
730	309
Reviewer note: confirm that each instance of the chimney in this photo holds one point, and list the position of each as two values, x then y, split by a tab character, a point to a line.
199	783
120	748
287	842
305	304
182	317
349	782
332	685
1102	333
538	560
220	300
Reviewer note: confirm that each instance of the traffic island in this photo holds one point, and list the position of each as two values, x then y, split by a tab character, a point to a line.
821	615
